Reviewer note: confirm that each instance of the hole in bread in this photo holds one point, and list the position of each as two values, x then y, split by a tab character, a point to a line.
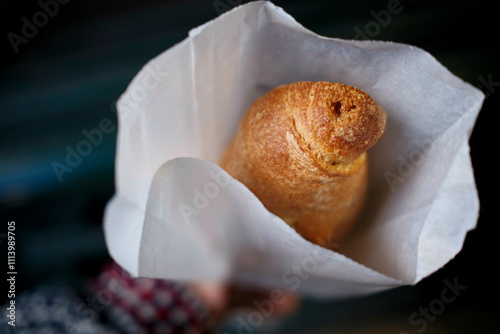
336	108
348	107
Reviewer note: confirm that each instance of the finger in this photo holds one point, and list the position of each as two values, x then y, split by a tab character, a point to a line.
214	295
243	297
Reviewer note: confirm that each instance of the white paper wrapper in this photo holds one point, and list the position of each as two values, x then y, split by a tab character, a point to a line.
177	215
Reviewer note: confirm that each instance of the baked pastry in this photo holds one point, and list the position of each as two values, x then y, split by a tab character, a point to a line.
301	149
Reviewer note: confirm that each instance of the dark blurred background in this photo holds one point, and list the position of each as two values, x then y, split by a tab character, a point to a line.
63	77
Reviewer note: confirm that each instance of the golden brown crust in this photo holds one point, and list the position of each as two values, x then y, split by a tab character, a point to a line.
300	149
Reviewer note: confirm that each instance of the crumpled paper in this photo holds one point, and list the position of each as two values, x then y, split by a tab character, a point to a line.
177	215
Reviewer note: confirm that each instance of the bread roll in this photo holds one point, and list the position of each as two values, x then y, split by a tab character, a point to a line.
301	149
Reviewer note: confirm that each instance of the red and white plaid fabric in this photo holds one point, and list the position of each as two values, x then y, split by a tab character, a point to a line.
145	305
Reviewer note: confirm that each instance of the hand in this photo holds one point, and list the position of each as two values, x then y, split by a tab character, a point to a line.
223	299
